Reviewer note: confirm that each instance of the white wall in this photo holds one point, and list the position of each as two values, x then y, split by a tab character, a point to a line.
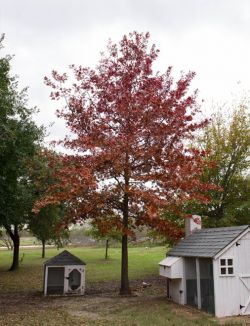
229	290
81	270
171	267
67	270
175	286
245	271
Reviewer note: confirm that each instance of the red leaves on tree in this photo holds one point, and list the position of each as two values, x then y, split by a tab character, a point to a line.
130	128
130	134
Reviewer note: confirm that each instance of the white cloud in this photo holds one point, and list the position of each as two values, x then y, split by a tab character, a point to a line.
208	37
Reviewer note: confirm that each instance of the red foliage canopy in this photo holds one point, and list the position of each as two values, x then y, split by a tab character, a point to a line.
130	130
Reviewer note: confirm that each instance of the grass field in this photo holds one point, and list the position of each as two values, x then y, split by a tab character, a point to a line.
22	302
142	262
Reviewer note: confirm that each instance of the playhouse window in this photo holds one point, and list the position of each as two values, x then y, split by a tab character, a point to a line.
226	267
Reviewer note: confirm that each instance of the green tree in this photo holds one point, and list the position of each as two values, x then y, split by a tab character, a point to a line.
227	141
19	141
238	208
105	230
44	226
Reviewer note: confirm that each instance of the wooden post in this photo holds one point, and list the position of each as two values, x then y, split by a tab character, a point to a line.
184	280
45	280
198	277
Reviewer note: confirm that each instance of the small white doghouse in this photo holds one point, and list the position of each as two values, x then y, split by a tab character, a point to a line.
210	269
64	274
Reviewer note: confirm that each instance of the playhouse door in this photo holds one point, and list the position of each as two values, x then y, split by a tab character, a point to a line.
73	280
245	294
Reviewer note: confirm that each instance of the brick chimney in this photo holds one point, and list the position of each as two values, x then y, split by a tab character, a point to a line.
192	224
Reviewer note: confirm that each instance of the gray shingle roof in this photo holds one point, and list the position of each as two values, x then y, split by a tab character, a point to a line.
63	259
206	242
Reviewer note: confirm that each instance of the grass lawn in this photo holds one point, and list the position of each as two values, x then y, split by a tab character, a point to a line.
142	262
22	303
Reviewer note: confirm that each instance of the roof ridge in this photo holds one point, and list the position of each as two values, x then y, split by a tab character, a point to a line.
64	257
207	242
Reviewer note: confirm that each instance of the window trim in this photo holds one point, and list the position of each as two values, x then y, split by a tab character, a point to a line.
226	266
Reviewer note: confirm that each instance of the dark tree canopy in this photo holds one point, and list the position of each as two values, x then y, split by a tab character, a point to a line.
19	140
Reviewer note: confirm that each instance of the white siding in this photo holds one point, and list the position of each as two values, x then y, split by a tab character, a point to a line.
171	267
247	236
244	274
176	291
81	269
67	270
229	290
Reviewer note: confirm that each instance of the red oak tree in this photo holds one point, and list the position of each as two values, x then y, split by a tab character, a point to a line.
129	129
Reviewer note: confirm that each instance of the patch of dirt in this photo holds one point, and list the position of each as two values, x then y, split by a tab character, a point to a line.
100	297
97	293
85	314
235	320
19	301
139	286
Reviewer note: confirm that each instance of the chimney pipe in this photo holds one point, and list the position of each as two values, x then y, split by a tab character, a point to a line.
192	224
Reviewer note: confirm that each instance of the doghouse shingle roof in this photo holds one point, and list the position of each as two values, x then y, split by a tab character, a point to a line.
63	259
206	242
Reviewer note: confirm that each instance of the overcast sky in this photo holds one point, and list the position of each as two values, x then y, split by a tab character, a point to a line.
210	37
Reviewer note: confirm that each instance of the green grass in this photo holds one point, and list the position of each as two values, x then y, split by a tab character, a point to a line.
142	262
157	312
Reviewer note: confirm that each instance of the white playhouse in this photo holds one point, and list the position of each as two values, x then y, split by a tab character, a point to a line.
210	269
64	274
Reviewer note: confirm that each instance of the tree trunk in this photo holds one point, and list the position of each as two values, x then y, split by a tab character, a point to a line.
124	268
124	264
43	248
106	248
16	244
